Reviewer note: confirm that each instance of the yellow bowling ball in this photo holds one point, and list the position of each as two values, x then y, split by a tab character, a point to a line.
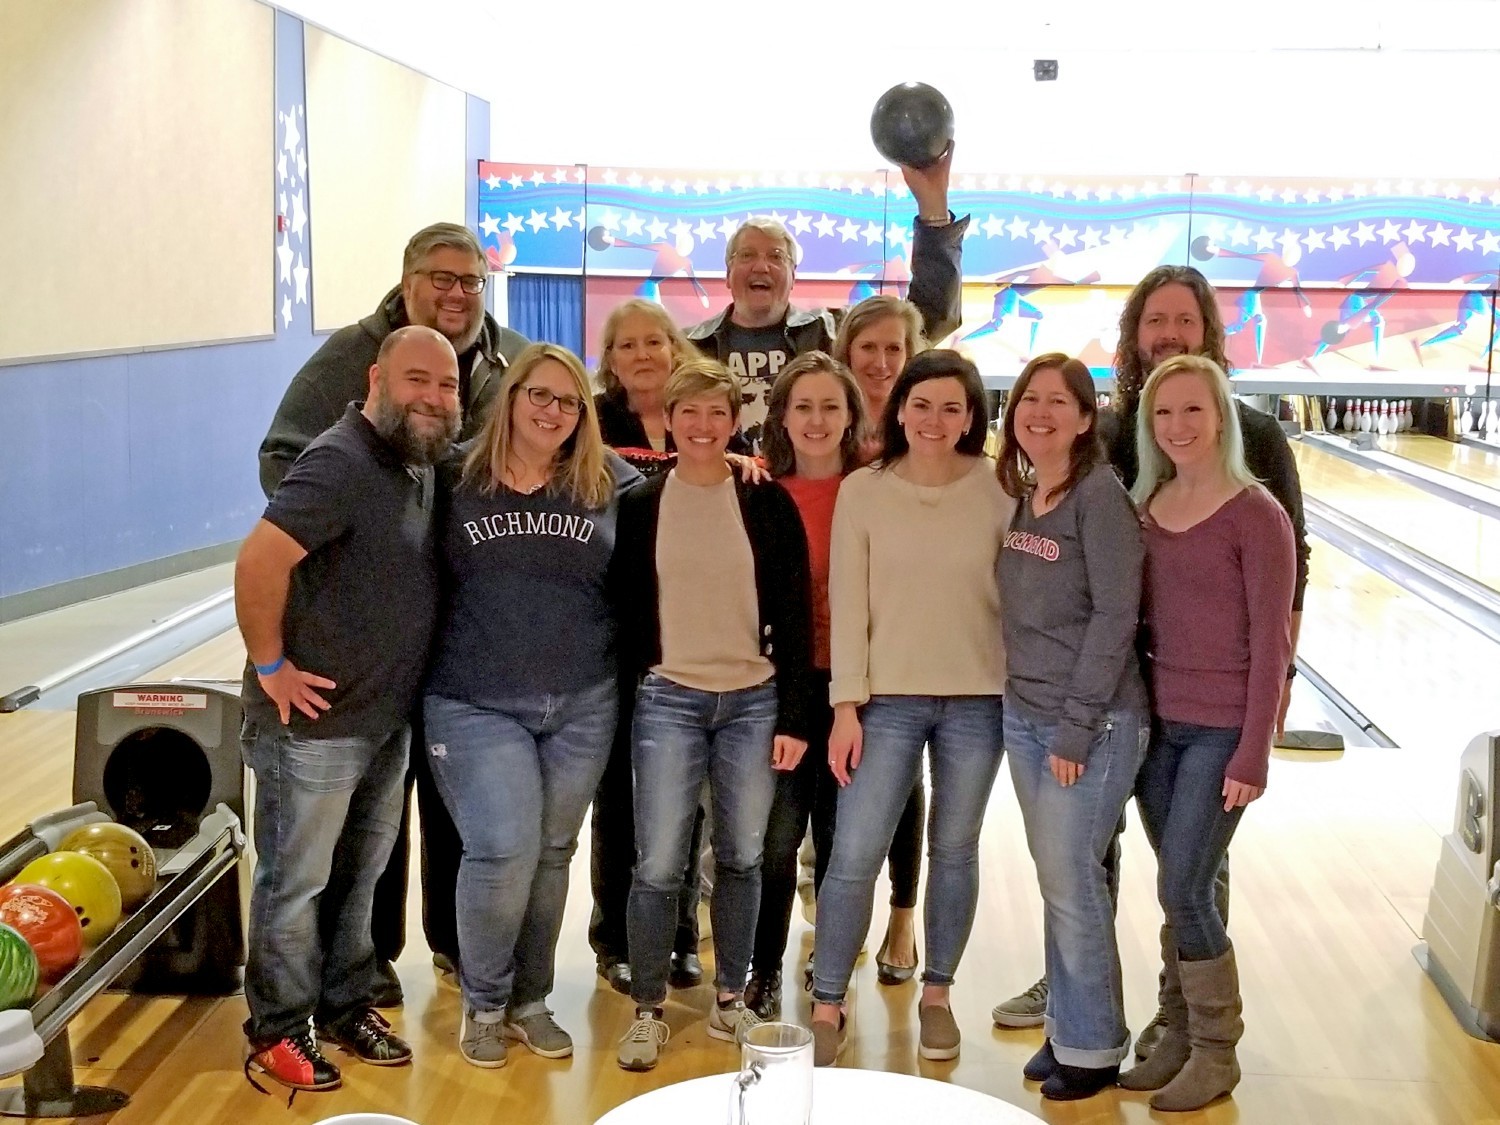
124	851
87	885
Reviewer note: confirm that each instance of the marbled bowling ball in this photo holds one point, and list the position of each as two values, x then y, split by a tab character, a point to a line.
125	852
47	921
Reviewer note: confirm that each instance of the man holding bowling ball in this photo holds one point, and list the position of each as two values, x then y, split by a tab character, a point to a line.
760	332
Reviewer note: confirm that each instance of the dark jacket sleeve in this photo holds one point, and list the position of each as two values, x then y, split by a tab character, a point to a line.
1268	455
337	374
632	578
937	276
786	595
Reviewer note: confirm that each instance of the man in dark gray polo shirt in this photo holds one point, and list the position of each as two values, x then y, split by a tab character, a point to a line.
336	592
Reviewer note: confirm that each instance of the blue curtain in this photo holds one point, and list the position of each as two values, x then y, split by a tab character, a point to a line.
546	306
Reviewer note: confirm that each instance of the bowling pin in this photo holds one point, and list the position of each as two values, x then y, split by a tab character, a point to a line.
1350	419
1332	421
1411	416
1383	422
1364	416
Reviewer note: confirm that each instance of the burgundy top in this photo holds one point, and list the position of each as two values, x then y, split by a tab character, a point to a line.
1217	604
814	500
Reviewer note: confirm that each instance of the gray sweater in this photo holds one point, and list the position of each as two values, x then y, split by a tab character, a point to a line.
1070	584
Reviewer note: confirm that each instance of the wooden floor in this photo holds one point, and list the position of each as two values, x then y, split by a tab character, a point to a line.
1452	457
1463	540
1332	870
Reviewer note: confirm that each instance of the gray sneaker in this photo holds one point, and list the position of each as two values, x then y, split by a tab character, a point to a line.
642	1044
1026	1010
482	1043
540	1033
730	1022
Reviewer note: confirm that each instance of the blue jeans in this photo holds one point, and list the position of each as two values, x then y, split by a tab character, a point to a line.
517	775
326	815
682	736
965	739
1181	794
1070	832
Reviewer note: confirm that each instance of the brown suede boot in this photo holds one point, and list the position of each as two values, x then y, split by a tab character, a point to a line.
1170	1051
1212	992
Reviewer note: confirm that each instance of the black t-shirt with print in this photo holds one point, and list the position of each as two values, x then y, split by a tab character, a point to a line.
756	356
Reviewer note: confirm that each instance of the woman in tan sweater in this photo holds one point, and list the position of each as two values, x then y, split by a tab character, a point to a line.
917	659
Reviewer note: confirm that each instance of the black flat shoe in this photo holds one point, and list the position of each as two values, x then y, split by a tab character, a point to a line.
686	971
1072	1083
616	974
1042	1065
887	973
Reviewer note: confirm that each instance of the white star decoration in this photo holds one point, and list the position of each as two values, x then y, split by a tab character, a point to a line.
490	226
299	215
284	258
634	225
299	280
286	311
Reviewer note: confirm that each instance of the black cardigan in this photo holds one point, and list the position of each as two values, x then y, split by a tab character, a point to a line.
782	580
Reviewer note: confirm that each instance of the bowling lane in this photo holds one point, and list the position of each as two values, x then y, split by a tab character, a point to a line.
1420	676
1449	456
1463	540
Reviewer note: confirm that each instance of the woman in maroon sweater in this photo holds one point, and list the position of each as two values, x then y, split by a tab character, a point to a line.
1220	565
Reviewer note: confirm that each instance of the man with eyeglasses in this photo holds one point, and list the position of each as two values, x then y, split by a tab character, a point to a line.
760	332
443	275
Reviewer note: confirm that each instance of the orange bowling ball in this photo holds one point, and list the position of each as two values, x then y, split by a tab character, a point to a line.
47	922
87	885
125	852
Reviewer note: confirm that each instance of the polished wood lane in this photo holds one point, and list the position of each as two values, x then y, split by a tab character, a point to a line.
1463	540
1450	456
1423	677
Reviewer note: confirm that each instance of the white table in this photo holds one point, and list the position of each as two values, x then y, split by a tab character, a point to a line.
840	1095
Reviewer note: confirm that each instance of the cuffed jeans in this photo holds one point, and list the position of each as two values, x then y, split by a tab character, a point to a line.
326	813
517	775
681	737
1181	795
1070	831
965	740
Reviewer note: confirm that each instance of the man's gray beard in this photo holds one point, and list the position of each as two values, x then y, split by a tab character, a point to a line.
413	446
466	341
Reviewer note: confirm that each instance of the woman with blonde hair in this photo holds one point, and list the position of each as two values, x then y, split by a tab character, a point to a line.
521	698
1219	571
638	347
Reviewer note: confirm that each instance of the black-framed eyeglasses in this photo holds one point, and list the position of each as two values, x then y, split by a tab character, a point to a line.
445	280
541	398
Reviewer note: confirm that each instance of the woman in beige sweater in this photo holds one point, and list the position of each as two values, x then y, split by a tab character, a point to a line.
917	660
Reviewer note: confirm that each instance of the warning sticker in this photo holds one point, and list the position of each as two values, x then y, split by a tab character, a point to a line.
178	701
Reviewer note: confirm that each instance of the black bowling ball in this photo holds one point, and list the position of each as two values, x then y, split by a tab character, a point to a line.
912	124
1333	333
600	238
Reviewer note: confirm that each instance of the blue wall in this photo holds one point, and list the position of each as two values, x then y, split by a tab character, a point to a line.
119	460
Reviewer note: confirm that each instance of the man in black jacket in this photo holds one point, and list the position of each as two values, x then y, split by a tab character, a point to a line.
443	275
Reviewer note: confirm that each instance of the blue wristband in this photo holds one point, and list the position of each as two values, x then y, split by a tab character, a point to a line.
269	669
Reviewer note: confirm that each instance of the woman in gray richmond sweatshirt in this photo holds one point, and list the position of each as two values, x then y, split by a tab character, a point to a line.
1076	714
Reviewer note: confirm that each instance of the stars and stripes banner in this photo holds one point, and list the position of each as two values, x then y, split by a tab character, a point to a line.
1262	233
1379	280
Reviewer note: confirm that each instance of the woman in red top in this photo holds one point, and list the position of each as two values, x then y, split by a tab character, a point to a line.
1220	566
814	423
